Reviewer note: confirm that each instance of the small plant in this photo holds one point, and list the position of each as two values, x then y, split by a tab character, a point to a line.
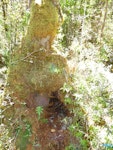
39	111
23	133
70	147
67	88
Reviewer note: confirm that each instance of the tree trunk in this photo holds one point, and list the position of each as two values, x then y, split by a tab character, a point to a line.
35	75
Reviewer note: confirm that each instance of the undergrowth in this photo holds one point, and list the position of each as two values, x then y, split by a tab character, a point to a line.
90	92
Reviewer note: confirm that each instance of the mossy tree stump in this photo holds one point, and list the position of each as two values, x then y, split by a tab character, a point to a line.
35	68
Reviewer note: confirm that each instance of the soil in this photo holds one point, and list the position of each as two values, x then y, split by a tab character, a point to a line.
51	132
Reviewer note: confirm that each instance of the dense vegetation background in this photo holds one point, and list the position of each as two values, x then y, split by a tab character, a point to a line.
86	40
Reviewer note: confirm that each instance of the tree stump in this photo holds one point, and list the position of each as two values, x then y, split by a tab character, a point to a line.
35	72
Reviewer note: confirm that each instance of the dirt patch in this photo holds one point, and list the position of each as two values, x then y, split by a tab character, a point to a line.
53	134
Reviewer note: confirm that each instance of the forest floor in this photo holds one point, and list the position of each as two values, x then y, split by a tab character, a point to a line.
60	130
52	132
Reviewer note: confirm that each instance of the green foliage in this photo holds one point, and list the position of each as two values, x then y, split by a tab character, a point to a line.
68	100
13	27
88	49
91	91
39	111
66	88
23	134
71	147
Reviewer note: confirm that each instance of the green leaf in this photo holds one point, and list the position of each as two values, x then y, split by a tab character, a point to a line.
39	111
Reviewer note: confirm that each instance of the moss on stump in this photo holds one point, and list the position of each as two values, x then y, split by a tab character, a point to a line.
34	66
40	72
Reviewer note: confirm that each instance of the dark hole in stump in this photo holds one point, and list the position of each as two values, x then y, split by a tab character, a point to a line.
52	104
56	106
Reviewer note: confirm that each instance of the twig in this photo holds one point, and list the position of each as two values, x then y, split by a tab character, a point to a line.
104	19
